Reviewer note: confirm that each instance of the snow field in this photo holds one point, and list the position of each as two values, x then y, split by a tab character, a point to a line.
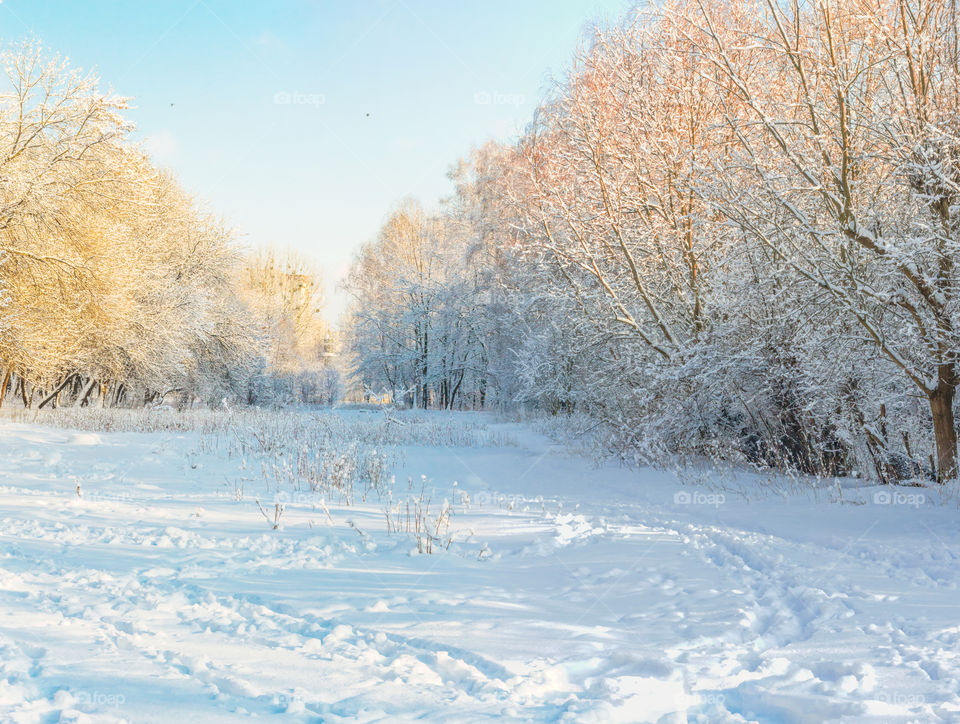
563	591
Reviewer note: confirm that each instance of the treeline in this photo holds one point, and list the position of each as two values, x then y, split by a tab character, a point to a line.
117	288
731	229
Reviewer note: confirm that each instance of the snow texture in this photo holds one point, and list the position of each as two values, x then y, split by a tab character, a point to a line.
571	592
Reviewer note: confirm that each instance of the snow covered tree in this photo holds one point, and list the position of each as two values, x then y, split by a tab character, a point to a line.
118	287
844	166
731	229
285	296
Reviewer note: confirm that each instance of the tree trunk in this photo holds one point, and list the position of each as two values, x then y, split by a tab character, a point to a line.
456	389
104	391
4	385
56	391
944	429
85	393
23	394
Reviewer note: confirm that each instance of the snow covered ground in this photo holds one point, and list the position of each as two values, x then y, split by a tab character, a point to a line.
570	592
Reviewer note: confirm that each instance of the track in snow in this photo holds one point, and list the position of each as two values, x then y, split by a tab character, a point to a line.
584	594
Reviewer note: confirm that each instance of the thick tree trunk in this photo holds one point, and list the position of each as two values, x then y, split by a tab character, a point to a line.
23	394
56	391
85	393
944	428
4	385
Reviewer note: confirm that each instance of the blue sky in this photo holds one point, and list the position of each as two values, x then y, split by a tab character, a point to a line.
302	122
